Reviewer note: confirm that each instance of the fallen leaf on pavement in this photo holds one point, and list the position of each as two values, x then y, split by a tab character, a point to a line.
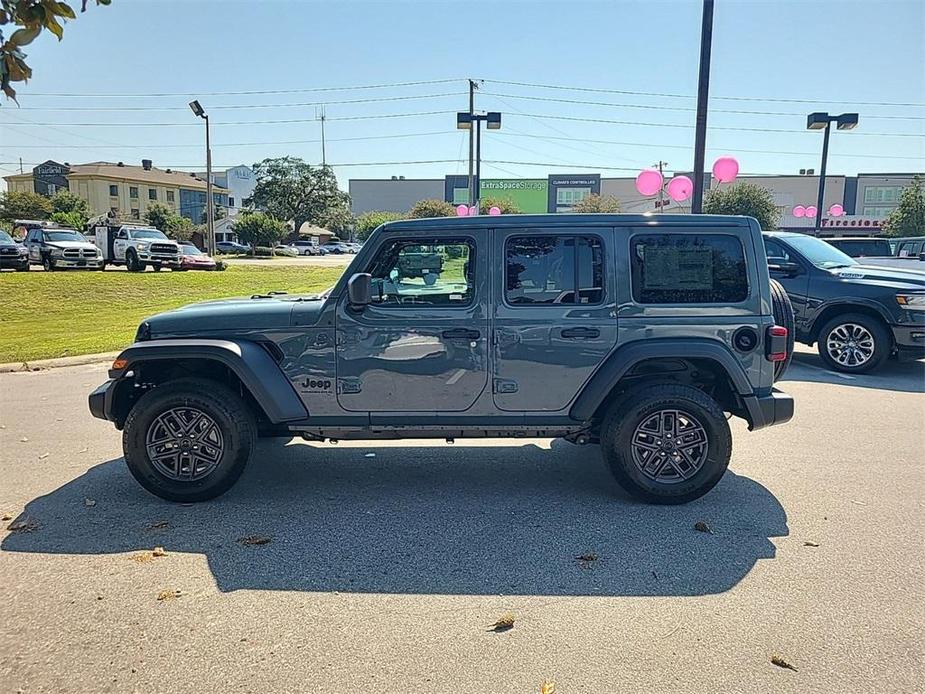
703	527
548	687
158	552
43	456
157	525
505	622
249	540
24	439
89	502
810	544
780	662
169	595
26	525
585	560
7	516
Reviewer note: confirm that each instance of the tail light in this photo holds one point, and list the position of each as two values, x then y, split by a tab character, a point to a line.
776	344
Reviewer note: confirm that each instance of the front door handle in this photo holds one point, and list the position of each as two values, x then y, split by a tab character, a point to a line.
461	334
581	333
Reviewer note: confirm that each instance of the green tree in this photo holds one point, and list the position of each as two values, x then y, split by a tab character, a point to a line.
33	16
431	208
290	189
596	203
69	210
908	219
162	217
745	199
369	221
259	229
17	204
339	219
506	205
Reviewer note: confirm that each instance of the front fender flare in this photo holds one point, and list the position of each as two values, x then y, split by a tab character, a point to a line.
624	358
250	362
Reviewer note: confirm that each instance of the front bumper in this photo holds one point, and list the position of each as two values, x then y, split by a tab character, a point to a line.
168	260
7	261
776	408
89	263
909	340
101	400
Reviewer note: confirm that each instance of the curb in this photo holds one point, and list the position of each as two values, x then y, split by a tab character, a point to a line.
44	364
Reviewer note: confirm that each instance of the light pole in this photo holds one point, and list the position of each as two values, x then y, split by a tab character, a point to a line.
197	109
703	95
464	121
823	121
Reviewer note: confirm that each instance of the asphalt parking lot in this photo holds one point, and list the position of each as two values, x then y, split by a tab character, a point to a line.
385	564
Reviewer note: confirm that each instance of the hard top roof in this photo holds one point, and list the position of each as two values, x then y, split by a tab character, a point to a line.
567	220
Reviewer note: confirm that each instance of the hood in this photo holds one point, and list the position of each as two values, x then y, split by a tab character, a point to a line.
881	276
70	244
260	312
17	246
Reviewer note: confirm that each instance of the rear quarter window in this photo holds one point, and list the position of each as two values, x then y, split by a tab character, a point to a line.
688	269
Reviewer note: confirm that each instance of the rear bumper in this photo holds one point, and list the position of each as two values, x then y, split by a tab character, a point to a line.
776	408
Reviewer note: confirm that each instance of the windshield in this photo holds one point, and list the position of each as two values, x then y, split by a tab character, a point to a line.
148	234
819	253
64	236
5	238
190	250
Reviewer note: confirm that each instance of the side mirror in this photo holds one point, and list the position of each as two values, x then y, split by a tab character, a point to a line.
359	291
784	267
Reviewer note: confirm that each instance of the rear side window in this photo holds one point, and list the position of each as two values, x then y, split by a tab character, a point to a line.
688	269
554	270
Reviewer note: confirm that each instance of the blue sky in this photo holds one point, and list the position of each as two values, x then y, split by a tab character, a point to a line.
782	59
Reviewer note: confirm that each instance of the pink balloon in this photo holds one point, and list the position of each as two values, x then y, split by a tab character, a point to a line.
494	211
725	169
836	210
473	210
811	211
462	210
648	182
680	188
799	211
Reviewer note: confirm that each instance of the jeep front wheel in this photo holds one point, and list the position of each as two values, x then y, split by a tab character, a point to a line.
854	343
188	440
666	444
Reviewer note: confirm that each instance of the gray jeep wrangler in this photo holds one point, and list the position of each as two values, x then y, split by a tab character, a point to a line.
637	333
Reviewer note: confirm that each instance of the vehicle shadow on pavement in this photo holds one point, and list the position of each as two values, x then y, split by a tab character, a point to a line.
898	376
436	520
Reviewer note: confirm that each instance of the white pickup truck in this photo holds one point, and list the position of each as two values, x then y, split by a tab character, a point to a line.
136	247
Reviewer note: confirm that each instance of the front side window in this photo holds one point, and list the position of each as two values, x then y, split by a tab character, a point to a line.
554	270
688	269
775	251
430	272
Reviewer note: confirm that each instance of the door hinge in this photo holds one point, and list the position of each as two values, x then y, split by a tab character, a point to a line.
504	385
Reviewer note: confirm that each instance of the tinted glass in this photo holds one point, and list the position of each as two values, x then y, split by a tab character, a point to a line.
148	234
858	249
5	238
775	250
688	269
549	269
819	253
437	272
64	236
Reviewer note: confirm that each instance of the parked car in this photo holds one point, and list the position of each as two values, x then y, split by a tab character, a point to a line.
282	249
191	258
136	247
12	255
303	247
858	315
878	252
59	249
231	247
909	247
636	332
338	247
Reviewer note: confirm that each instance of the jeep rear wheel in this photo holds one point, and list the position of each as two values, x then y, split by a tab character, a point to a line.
854	343
666	444
188	440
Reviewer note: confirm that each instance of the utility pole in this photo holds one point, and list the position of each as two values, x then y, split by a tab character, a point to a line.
20	165
472	87
661	188
210	214
324	159
703	93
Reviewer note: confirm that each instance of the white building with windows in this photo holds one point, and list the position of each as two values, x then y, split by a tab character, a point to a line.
239	181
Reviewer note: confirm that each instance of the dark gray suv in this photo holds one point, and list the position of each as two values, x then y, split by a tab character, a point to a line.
637	333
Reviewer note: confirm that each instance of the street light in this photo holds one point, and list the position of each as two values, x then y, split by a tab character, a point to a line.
823	121
197	110
464	121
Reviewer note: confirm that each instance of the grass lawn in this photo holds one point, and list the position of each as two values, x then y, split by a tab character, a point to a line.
59	314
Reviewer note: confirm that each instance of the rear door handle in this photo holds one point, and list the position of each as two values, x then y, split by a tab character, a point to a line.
581	333
461	334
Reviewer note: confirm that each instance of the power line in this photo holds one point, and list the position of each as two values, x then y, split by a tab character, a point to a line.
307	90
250	122
601	90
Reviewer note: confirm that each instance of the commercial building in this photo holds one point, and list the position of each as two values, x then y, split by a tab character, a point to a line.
121	190
239	181
867	198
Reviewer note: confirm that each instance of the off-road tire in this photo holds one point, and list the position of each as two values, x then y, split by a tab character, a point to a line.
48	264
782	310
630	411
131	261
883	342
232	416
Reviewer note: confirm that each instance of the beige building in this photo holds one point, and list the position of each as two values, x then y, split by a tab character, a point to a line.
120	190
